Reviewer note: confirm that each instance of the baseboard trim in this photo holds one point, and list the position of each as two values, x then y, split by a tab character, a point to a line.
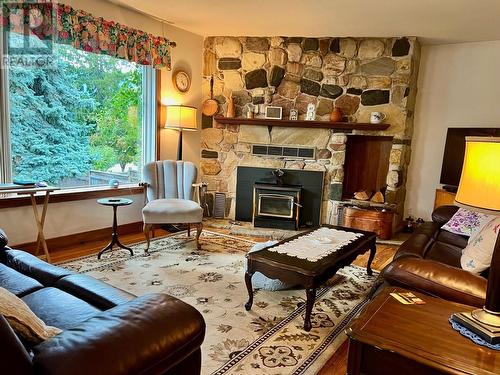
62	243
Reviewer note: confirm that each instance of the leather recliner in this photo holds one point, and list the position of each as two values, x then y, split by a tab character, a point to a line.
429	262
105	330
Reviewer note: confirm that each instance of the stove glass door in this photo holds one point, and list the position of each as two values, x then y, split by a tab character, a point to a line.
275	205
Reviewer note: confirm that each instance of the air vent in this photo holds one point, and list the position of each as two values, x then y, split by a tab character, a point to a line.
284	151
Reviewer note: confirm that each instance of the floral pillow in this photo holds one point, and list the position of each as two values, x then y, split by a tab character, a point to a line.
467	223
476	257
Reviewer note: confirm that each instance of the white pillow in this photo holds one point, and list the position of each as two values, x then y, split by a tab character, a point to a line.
476	257
467	223
22	320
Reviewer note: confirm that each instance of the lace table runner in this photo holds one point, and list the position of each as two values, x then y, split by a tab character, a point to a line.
317	244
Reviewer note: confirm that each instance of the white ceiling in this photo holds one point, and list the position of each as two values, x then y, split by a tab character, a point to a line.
433	21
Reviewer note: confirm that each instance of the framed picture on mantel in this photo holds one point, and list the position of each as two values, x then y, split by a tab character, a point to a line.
275	113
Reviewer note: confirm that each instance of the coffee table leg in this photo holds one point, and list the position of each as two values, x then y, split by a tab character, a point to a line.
373	250
248	282
311	298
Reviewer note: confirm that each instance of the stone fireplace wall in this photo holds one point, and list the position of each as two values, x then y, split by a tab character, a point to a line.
357	75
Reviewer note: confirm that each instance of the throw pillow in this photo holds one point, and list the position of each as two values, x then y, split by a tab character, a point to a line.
476	257
22	320
467	223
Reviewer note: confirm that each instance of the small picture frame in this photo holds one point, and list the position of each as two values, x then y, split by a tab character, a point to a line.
294	114
275	113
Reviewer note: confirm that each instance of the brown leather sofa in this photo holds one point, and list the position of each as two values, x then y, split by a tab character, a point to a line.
429	262
105	330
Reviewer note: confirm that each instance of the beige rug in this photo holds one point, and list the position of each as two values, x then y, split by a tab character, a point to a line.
269	339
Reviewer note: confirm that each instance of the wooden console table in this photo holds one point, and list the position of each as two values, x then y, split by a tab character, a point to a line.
444	198
39	218
392	338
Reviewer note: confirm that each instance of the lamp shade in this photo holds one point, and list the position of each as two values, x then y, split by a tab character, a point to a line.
480	181
181	117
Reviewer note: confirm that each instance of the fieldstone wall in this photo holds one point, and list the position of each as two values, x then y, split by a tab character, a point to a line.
358	75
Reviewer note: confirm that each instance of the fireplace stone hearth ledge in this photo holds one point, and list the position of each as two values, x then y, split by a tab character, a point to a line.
357	75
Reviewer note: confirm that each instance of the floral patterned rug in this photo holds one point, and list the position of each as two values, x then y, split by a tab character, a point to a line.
269	339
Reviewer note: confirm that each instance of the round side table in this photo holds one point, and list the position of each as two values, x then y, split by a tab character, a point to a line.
115	203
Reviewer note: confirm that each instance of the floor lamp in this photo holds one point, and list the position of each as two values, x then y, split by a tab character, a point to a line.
181	117
479	189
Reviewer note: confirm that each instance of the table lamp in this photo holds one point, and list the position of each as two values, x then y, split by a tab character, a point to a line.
479	189
181	117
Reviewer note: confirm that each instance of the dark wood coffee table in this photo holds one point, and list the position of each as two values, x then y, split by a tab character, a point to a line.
389	337
310	275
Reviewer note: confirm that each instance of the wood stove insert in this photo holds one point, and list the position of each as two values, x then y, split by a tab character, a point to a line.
276	206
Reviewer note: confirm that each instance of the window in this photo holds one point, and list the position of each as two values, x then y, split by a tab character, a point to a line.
86	120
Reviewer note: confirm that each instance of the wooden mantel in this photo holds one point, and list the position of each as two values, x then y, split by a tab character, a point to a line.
300	123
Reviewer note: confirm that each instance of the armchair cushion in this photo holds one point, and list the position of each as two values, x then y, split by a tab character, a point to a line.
172	211
170	179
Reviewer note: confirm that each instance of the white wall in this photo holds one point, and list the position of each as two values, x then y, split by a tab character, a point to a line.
66	218
459	86
80	216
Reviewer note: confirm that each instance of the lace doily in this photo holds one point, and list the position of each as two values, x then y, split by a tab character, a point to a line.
317	244
472	336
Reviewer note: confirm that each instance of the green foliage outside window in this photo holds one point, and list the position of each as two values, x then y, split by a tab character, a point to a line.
85	115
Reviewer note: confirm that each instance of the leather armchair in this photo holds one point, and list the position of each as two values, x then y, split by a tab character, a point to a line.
169	189
105	330
429	262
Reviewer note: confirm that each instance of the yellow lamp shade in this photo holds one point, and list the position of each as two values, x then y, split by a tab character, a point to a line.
181	117
480	181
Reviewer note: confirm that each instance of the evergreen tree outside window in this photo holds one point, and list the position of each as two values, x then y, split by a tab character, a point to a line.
79	123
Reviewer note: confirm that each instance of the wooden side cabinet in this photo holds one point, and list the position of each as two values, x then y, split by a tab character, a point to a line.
379	222
393	338
443	198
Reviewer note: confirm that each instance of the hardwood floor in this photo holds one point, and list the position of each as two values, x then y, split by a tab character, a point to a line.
336	365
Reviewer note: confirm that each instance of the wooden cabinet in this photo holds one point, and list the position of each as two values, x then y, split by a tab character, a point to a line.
444	198
389	337
379	222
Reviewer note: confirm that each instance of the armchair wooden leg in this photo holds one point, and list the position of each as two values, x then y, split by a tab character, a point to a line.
147	234
189	230
199	228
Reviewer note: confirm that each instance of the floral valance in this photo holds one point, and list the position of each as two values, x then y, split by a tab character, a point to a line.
63	24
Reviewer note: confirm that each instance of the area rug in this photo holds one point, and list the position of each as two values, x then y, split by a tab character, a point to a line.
269	339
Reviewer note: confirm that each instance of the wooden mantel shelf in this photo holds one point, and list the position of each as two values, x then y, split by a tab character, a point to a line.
300	123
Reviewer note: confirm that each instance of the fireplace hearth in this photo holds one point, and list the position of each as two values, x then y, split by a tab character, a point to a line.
276	206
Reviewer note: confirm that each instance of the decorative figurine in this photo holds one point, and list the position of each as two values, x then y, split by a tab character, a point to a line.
311	112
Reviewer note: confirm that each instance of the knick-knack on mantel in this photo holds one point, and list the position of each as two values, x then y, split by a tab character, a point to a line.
336	115
230	107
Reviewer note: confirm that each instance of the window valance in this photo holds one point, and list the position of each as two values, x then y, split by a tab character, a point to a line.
80	29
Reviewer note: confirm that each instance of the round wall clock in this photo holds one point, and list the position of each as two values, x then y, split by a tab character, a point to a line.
181	81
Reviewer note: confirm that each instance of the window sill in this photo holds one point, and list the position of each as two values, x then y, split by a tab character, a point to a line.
71	195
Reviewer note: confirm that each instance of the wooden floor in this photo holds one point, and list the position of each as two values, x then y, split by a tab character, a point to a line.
336	365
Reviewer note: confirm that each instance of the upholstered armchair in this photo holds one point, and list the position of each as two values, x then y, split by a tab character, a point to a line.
169	188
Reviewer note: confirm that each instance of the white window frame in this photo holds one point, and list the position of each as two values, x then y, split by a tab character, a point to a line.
149	114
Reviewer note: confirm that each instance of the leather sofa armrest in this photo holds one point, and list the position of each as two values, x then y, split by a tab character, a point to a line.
438	279
147	335
443	214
